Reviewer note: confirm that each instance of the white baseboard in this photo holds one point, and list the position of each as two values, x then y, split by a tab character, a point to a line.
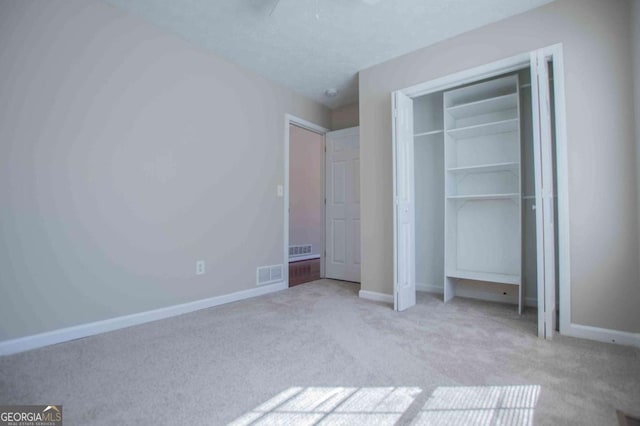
603	335
22	344
575	330
429	288
376	297
305	257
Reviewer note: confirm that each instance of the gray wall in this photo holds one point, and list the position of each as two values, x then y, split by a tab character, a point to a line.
635	24
126	154
602	169
345	116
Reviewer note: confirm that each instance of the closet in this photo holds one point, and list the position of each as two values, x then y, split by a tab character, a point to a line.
471	171
478	159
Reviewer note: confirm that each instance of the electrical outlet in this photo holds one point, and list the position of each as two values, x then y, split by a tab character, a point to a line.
200	267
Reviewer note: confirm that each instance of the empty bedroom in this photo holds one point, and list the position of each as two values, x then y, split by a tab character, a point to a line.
266	212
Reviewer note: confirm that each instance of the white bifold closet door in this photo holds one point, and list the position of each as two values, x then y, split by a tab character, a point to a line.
404	205
543	169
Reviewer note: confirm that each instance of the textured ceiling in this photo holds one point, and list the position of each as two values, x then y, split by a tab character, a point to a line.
312	45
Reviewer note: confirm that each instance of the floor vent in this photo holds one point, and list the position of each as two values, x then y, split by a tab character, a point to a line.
269	274
303	250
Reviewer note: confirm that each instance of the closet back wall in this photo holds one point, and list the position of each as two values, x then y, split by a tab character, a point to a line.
603	213
429	191
126	155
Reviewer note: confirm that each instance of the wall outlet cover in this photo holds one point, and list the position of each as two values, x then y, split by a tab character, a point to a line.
200	267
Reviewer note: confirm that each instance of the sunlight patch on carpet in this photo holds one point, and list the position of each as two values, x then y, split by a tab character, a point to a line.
480	405
332	405
457	405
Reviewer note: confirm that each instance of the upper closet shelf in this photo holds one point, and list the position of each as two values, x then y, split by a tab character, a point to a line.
485	168
432	132
481	91
484	129
483	197
484	106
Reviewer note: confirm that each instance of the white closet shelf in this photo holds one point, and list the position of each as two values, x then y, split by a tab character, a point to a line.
485	129
497	167
480	197
486	90
484	106
485	276
432	132
482	130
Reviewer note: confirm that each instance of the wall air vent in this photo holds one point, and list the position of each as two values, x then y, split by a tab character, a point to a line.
269	274
297	251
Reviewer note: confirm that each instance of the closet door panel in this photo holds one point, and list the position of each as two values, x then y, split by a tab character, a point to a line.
404	213
343	205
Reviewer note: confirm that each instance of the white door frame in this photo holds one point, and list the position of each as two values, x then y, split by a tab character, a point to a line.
296	121
514	63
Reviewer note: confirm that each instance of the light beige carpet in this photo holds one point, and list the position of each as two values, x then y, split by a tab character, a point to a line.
316	353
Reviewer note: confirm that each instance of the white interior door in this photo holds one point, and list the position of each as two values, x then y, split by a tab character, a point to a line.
343	205
404	210
543	169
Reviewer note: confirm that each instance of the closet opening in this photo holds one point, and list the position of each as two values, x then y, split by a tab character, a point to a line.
476	181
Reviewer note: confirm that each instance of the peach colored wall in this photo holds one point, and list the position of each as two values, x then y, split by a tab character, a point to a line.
305	188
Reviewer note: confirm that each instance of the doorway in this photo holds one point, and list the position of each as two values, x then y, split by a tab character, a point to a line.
306	204
335	188
480	186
